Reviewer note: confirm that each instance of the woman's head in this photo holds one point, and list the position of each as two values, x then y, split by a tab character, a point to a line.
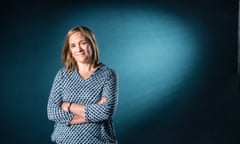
80	46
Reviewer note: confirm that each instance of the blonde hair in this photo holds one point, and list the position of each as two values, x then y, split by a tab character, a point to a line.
67	58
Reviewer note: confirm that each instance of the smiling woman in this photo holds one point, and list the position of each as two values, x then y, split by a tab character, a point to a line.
84	94
80	47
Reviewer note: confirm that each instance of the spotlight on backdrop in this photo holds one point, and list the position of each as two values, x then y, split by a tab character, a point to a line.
153	52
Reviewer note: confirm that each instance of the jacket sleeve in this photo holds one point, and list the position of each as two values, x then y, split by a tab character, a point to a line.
54	110
101	112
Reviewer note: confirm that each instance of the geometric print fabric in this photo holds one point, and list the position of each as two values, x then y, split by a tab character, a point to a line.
70	87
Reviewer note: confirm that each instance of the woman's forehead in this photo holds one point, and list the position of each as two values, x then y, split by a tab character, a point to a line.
77	36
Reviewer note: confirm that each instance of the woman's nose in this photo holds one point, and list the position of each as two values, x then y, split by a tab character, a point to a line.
79	47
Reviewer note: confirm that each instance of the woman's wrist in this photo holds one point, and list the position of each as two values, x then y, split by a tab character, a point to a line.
69	107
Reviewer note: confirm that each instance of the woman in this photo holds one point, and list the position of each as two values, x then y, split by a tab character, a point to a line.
84	93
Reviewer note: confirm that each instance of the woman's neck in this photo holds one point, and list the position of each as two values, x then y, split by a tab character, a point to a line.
85	67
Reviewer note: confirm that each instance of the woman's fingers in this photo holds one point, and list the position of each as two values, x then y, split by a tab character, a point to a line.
102	100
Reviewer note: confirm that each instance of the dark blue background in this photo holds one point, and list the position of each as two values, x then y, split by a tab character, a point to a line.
201	109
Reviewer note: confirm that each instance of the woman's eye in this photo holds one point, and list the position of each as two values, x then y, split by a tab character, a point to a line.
72	46
83	43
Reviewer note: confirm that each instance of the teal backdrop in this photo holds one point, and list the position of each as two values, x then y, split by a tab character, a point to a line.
176	61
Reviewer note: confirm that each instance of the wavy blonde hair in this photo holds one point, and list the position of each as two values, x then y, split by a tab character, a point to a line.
67	57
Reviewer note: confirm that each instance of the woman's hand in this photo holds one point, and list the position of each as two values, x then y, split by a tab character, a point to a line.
65	106
102	100
77	120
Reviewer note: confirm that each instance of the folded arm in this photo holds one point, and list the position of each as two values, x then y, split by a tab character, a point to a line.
54	110
78	110
100	111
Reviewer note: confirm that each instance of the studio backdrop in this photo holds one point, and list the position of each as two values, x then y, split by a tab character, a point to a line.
176	62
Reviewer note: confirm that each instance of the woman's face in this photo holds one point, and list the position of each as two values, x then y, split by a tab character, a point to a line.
80	48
